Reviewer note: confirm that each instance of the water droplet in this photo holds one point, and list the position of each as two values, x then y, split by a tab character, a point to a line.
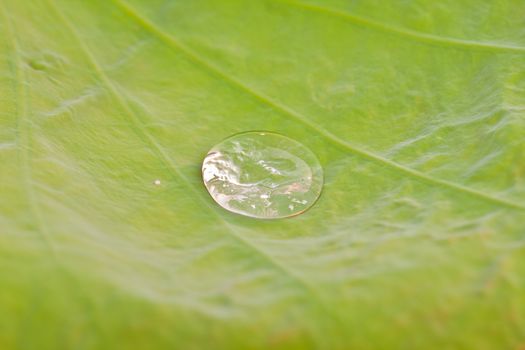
262	175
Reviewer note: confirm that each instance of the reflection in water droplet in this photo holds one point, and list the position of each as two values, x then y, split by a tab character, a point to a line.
262	175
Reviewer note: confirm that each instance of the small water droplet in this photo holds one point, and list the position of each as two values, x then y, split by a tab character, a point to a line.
262	175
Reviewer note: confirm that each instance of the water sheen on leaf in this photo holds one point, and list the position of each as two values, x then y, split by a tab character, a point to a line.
109	240
262	175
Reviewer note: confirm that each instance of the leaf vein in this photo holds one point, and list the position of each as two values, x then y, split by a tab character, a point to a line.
23	134
139	128
213	69
404	32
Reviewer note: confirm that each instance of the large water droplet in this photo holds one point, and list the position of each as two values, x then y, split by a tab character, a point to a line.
262	175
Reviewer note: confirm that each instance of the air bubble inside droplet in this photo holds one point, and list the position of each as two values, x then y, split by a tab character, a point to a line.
262	175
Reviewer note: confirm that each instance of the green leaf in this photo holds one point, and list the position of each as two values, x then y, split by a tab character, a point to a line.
415	110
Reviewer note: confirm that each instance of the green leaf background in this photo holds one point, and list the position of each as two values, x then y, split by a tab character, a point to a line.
416	110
